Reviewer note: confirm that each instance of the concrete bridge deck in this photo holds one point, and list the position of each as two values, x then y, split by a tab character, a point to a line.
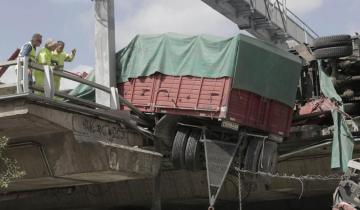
60	144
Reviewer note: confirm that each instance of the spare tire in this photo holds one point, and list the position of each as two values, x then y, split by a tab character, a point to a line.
179	146
252	154
192	151
332	41
333	52
268	157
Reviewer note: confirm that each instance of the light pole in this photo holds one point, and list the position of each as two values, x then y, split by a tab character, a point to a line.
105	72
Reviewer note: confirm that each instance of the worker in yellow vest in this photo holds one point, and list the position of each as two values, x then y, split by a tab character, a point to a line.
44	58
58	58
29	50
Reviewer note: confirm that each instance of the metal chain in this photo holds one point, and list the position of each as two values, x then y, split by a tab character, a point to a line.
300	179
308	177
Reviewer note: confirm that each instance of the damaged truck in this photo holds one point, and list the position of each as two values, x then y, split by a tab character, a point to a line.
207	95
207	87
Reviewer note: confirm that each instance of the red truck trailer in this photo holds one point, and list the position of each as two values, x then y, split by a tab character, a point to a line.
207	98
207	87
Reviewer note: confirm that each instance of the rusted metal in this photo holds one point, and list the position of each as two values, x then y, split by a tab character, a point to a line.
12	57
317	105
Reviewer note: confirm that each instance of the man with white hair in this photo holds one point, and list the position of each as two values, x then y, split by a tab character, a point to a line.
58	58
44	56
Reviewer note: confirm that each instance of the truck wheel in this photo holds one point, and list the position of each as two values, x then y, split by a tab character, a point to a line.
268	157
192	151
251	163
333	52
178	148
252	154
332	41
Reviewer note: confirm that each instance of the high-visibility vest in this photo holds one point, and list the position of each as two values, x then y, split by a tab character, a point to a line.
32	55
60	58
44	56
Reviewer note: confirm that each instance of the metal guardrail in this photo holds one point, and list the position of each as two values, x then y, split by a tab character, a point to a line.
297	20
287	17
269	20
23	86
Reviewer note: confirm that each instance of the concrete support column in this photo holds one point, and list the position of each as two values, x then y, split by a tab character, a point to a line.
105	73
156	194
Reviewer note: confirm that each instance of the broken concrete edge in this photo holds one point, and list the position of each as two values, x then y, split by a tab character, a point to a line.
132	148
40	100
14	112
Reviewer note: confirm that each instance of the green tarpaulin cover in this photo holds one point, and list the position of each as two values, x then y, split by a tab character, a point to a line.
84	91
254	65
343	141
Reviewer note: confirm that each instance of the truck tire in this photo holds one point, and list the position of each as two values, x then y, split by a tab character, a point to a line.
252	154
178	148
333	52
268	157
332	41
192	151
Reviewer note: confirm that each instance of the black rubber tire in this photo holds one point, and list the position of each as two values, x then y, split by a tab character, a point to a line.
332	41
252	154
333	52
192	151
179	146
268	157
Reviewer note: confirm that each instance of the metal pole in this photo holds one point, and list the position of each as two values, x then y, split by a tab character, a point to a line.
156	198
299	151
114	99
156	195
105	73
19	74
26	74
49	88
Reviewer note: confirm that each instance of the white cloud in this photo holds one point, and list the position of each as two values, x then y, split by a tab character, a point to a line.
184	16
69	1
160	16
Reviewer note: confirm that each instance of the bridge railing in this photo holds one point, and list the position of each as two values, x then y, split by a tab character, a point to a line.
24	85
308	31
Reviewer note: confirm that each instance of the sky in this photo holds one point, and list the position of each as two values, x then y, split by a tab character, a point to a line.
72	21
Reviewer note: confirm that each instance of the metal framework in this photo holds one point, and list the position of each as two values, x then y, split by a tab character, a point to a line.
267	20
22	86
